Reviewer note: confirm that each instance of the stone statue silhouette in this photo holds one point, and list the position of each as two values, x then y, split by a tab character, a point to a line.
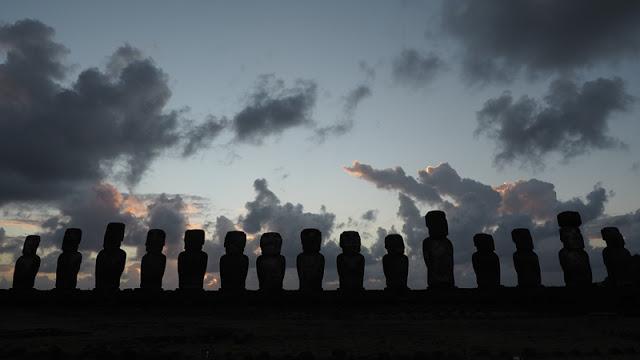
573	259
525	260
111	259
617	258
270	265
395	264
69	260
486	263
310	262
350	263
192	262
27	265
154	261
437	250
234	264
635	269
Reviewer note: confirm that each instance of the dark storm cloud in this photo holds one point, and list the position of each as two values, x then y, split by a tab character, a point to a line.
110	123
473	207
54	138
267	213
572	120
273	108
414	69
500	38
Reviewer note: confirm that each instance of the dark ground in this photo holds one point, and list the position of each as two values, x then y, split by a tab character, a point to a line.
550	323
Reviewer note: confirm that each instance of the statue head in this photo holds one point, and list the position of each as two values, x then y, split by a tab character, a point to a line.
571	238
569	219
155	241
311	240
522	238
394	244
350	242
483	242
437	223
612	236
194	240
234	242
114	235
31	244
71	239
270	243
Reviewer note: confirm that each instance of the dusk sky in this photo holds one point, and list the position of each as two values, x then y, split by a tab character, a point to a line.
340	115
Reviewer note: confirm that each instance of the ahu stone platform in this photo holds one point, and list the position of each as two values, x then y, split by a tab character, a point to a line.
504	323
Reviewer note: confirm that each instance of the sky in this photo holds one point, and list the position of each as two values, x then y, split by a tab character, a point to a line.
276	116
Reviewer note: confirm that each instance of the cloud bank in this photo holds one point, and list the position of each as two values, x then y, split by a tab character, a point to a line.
474	207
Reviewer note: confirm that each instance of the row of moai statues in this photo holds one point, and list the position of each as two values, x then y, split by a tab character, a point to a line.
310	264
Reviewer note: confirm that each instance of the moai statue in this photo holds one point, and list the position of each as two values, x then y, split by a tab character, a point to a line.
635	270
192	262
27	265
486	263
573	259
69	261
153	262
234	264
111	259
437	251
350	263
616	257
395	264
310	262
270	264
525	259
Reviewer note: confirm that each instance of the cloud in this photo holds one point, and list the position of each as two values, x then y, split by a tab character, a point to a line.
473	207
501	38
105	123
267	213
370	215
273	108
91	209
351	102
393	178
222	226
571	120
345	125
413	226
169	214
519	204
416	70
629	225
200	136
